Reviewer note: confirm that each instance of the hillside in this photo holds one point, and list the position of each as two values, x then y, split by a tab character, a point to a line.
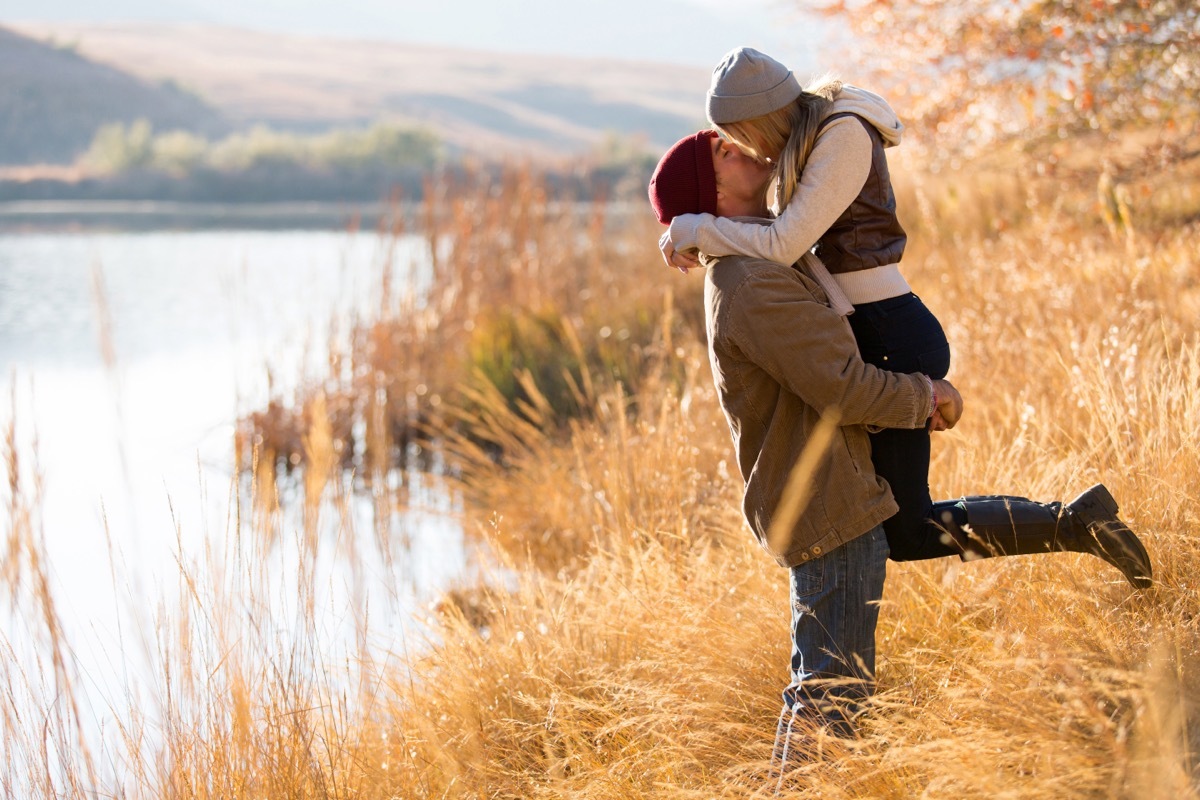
52	100
472	99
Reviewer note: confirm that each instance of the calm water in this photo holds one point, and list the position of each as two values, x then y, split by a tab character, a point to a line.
144	442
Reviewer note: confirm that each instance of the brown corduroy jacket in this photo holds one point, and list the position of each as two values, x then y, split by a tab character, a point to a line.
780	359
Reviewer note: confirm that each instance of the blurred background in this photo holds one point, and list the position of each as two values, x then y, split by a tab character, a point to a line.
274	102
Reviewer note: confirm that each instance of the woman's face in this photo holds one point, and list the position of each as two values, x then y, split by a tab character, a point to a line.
741	181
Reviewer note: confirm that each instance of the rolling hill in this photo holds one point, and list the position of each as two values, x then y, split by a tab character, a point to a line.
474	100
52	100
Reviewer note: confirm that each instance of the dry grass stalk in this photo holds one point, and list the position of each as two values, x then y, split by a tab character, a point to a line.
632	641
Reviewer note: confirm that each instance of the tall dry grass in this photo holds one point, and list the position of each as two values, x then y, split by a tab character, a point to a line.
654	672
628	639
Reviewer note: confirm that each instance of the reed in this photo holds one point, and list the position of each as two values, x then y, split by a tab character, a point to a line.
516	281
627	638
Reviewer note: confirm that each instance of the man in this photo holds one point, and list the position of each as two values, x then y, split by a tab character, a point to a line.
798	399
791	382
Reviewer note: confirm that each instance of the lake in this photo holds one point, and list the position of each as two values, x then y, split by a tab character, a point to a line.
128	358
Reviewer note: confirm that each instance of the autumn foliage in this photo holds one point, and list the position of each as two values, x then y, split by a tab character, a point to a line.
1031	70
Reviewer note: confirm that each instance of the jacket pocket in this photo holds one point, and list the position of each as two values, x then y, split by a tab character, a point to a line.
856	455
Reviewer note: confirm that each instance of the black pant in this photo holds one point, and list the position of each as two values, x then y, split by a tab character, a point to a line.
902	335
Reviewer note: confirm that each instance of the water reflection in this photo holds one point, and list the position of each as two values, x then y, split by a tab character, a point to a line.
137	453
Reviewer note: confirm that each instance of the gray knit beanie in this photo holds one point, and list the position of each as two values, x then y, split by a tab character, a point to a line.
748	84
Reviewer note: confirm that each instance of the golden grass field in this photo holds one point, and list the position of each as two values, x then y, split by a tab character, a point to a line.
632	640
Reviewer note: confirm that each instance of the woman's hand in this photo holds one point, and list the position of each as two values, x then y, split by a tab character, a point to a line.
680	261
949	406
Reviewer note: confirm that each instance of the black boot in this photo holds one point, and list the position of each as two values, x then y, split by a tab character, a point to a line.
999	525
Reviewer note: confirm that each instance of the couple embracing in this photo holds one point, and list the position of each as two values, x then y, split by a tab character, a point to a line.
820	349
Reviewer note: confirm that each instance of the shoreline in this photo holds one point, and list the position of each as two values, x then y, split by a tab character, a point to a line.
65	215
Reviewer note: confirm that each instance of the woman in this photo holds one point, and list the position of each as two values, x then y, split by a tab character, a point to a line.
833	191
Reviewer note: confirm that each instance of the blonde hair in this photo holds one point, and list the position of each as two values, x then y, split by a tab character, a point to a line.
786	135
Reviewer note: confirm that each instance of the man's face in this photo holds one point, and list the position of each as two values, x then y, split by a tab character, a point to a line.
741	181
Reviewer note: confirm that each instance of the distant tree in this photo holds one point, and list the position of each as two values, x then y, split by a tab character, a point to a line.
179	152
620	150
117	147
382	151
258	147
620	165
383	145
982	70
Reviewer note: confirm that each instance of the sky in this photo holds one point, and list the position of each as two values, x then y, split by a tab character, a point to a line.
695	32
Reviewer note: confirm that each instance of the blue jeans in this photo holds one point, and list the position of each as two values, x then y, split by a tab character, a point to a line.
902	335
835	608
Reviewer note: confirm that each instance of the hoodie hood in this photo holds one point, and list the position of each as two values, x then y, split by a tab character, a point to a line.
873	108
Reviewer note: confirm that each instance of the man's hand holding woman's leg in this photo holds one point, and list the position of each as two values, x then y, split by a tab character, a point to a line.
949	406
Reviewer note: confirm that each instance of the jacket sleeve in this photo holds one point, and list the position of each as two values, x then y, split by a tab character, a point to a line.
837	168
804	345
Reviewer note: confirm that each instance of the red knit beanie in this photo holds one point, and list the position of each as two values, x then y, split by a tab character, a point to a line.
684	181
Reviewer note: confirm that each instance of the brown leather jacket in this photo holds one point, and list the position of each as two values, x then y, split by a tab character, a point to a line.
780	357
